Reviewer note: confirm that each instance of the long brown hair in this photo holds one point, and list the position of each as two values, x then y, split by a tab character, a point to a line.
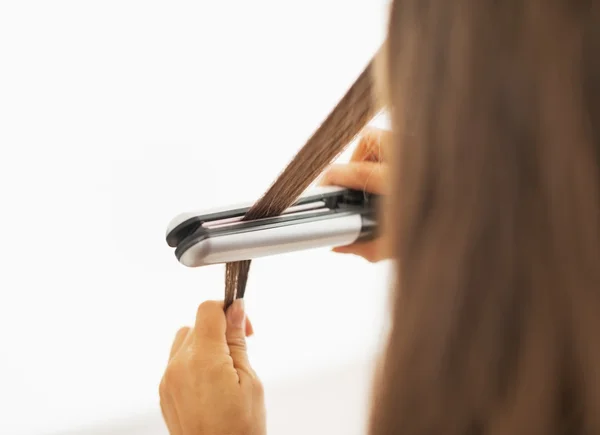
494	215
495	203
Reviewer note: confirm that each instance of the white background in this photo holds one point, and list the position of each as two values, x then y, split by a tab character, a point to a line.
114	117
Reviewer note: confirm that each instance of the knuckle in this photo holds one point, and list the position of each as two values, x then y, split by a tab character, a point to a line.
168	381
258	387
237	342
182	333
378	141
365	141
206	307
218	370
364	152
162	389
372	138
173	375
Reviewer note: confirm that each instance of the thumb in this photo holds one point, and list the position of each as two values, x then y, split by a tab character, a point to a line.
236	338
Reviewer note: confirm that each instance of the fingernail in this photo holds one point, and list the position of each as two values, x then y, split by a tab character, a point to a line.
236	315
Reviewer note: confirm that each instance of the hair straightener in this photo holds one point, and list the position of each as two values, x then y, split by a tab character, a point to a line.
322	217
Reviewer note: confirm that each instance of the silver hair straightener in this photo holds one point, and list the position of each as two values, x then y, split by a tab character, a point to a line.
322	217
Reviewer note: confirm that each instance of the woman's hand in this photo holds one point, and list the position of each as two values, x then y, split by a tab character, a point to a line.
209	386
368	171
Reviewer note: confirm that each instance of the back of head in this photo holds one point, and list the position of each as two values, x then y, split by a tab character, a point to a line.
496	225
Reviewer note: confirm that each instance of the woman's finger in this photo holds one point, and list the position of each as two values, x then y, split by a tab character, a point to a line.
210	326
249	328
367	176
370	251
236	339
372	146
178	341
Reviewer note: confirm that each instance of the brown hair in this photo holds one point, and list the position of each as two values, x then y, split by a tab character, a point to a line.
494	210
346	120
495	201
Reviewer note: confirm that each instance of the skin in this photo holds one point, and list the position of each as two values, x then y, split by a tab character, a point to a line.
367	170
209	386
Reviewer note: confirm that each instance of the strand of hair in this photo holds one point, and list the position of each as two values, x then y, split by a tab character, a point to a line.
344	123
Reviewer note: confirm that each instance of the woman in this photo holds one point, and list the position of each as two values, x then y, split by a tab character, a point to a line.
495	232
